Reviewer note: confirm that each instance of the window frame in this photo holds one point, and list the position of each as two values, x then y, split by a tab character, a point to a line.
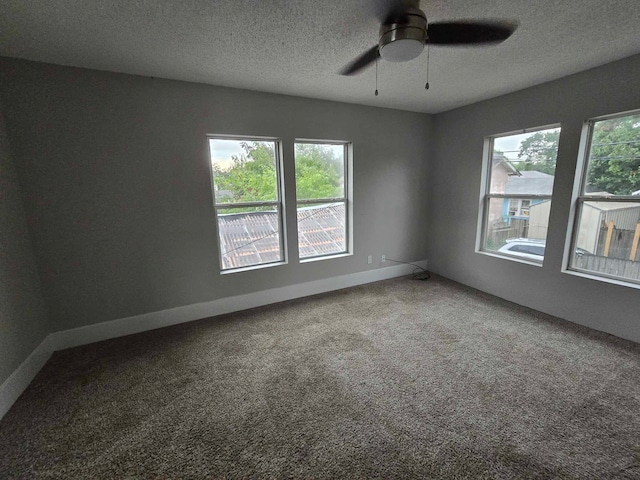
346	199
279	202
486	195
579	198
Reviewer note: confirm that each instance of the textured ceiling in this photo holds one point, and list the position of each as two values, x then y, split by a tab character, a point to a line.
296	47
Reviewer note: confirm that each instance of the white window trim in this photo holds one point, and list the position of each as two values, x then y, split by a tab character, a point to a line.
486	195
279	202
347	199
578	198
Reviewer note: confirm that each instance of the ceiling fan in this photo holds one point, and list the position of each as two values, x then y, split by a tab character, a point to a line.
405	31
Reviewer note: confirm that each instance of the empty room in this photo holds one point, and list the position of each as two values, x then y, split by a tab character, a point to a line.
302	239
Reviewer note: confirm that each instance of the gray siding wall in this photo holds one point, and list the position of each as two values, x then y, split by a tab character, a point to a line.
118	197
23	318
455	192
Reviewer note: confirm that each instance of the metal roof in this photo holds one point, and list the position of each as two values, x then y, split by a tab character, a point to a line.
253	238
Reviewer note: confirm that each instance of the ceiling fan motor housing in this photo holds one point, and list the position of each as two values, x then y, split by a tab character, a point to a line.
405	38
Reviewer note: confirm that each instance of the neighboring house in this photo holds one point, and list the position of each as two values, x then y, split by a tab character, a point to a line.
525	183
502	171
507	179
252	238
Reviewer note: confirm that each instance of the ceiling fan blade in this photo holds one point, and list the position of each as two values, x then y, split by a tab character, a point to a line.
360	63
469	33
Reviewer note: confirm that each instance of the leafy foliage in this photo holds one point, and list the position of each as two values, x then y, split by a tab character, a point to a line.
539	151
614	161
252	175
319	174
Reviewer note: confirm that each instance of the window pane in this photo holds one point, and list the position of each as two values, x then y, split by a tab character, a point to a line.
249	236
517	226
524	163
614	158
607	240
319	171
243	171
321	229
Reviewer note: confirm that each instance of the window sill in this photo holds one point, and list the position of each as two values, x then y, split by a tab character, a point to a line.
326	257
251	268
510	257
601	278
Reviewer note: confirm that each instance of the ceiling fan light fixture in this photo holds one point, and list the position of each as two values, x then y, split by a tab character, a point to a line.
403	39
402	50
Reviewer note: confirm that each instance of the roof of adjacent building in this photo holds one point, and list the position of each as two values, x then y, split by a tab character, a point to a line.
253	238
530	183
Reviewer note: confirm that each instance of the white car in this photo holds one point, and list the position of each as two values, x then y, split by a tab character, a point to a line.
524	248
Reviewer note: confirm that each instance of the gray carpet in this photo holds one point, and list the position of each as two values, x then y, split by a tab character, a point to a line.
397	379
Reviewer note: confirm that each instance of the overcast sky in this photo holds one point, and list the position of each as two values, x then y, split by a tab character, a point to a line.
222	150
510	145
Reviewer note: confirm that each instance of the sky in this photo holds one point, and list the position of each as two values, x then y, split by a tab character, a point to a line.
222	150
510	144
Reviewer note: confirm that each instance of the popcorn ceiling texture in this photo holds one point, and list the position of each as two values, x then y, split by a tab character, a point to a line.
297	47
395	379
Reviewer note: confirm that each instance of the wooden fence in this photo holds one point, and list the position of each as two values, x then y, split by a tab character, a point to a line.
621	243
517	228
610	266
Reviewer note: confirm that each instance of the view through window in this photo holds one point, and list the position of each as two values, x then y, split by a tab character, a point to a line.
246	184
322	198
606	235
517	199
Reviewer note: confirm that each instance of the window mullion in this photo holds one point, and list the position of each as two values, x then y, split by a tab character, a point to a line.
308	201
247	204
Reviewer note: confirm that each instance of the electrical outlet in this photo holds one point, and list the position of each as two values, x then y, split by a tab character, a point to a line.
383	258
370	259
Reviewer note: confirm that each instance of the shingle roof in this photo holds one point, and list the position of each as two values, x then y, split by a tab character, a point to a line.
253	238
530	182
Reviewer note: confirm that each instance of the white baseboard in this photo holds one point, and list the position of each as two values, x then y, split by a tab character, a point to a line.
11	389
22	376
173	316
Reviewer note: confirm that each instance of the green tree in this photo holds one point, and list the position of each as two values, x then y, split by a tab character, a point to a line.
251	176
539	151
614	160
319	173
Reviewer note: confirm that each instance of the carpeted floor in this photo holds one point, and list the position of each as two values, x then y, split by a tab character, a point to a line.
397	379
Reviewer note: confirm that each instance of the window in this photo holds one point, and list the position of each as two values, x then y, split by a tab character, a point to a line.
519	207
321	190
247	192
606	233
518	183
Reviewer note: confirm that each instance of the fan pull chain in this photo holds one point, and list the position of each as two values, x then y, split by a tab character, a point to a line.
376	78
426	85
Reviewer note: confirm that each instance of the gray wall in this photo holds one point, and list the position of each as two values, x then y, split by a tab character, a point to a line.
23	318
455	191
118	198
